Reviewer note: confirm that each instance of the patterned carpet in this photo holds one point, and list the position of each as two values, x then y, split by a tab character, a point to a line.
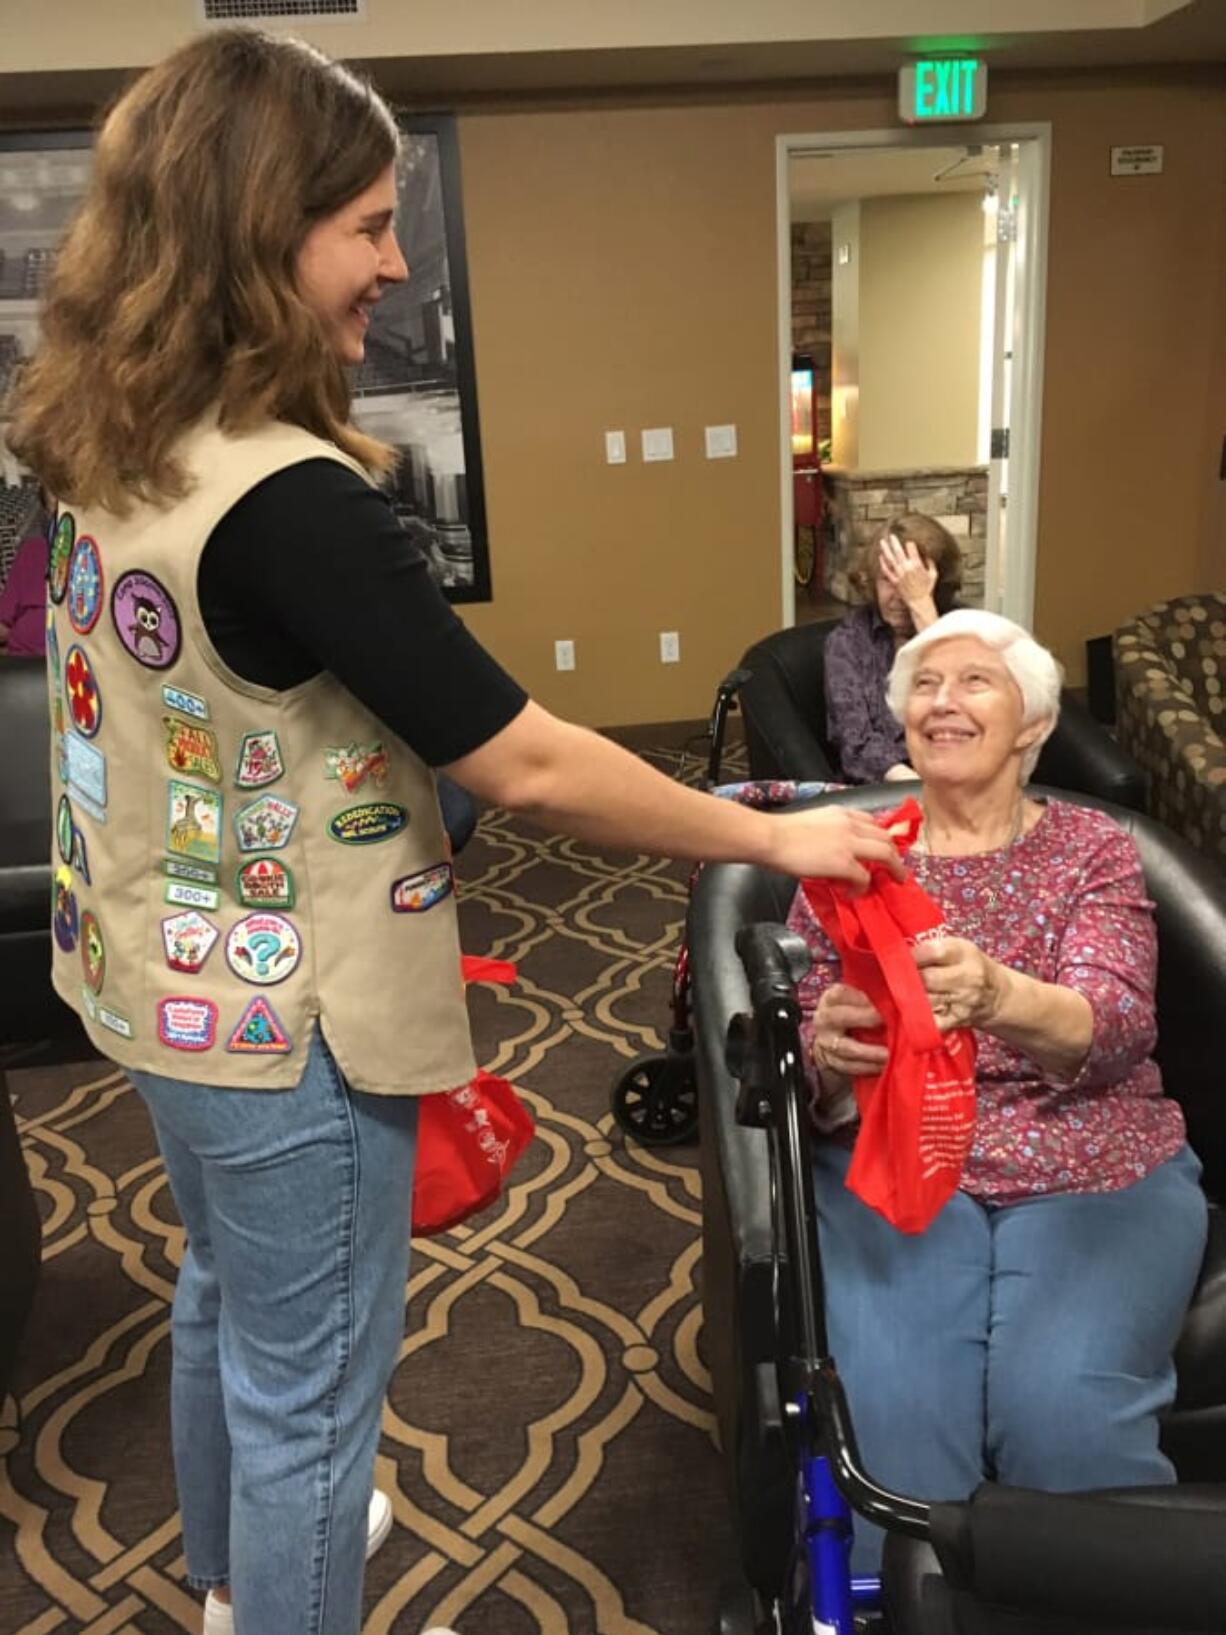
548	1438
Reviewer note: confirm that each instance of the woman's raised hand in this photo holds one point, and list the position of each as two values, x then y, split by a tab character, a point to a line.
906	570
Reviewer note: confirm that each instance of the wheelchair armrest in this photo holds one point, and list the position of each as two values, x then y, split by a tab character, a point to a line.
1113	1560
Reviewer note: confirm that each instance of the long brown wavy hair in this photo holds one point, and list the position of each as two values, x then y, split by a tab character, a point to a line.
174	289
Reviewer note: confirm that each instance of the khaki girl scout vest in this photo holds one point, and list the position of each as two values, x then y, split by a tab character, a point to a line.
229	862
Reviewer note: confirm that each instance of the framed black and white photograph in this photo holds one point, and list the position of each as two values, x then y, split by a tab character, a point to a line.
417	388
43	177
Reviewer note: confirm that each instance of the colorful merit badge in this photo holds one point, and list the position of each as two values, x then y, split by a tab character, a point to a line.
61	552
417	892
84	585
263	948
63	829
265	882
193	821
362	825
259	1033
188	939
65	921
186	703
93	951
259	761
146	619
54	671
85	775
81	688
192	748
265	825
187	1024
352	766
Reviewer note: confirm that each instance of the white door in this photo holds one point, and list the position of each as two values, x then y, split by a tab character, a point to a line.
1013	464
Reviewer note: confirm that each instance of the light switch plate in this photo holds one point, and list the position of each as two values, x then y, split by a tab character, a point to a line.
564	655
721	442
658	443
615	447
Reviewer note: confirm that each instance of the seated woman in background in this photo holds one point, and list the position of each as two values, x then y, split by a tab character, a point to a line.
908	575
1027	1334
23	598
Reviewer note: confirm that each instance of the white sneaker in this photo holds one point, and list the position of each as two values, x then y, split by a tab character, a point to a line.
219	1615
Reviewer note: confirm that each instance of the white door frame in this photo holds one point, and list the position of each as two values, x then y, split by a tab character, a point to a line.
1034	137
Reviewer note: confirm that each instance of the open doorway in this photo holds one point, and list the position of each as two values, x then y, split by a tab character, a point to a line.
912	272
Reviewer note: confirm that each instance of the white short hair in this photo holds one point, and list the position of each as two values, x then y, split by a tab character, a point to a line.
1038	675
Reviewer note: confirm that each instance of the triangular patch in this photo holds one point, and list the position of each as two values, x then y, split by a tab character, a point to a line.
259	1033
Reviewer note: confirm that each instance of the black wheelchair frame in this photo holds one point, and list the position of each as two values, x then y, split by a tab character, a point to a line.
1119	1560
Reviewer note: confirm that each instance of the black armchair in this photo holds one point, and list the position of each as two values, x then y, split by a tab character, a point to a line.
738	1294
35	1025
785	726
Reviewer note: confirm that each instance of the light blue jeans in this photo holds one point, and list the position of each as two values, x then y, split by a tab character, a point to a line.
288	1316
1029	1343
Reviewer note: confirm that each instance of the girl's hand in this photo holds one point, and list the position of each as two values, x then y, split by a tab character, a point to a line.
834	842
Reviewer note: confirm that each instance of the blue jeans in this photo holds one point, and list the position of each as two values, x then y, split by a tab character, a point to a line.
1030	1343
288	1316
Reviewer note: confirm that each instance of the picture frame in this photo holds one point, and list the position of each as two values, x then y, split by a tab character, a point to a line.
43	176
417	389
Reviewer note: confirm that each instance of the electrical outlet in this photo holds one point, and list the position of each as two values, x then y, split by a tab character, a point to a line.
564	655
615	447
670	647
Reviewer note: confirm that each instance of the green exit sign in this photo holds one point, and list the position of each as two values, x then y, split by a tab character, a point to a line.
942	88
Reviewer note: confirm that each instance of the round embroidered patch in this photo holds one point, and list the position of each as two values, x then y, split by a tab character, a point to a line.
93	951
63	829
146	619
263	948
65	920
81	687
62	541
84	585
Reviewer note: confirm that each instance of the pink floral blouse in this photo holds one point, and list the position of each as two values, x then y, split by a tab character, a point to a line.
1070	909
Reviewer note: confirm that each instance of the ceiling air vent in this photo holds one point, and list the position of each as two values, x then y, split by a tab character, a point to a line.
273	11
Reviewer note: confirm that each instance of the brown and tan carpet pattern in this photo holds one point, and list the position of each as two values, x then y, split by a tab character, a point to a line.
548	1437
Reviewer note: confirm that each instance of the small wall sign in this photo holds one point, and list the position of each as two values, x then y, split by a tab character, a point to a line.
1137	161
942	89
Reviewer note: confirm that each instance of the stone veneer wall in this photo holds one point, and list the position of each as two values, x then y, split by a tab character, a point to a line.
860	501
811	310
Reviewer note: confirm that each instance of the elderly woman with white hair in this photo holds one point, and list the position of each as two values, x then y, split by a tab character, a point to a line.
1027	1335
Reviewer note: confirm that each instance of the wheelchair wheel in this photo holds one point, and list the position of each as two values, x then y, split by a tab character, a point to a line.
656	1100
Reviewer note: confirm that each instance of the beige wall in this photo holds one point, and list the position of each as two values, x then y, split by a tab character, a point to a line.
921	272
623	273
623	268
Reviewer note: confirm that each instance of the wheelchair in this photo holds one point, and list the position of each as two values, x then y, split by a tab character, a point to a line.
1006	1562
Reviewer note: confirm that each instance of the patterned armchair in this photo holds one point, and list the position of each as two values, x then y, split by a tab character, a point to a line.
1170	685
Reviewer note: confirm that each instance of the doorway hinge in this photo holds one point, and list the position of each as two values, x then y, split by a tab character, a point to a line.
1000	443
1006	225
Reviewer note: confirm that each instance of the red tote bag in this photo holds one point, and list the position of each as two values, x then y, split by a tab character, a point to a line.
468	1140
917	1116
